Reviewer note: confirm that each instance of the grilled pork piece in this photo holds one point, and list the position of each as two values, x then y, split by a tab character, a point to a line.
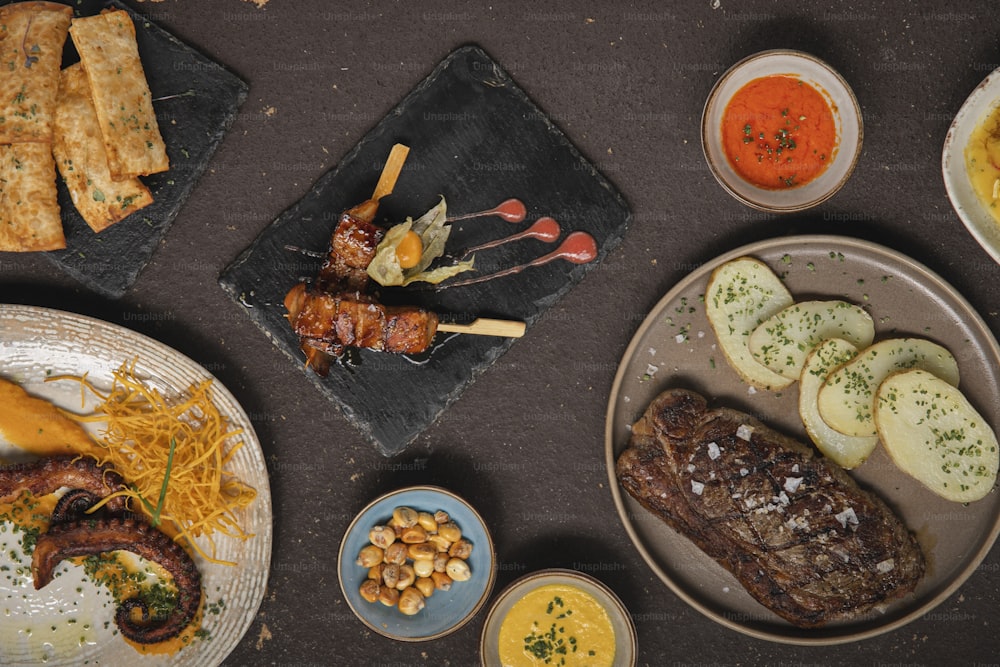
332	321
352	248
794	528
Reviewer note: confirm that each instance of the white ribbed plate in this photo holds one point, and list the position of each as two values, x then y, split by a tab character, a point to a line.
70	621
974	111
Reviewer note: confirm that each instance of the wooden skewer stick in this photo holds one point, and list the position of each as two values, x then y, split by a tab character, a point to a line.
484	326
367	209
390	173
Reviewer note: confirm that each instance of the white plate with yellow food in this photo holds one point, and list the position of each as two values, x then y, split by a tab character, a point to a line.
62	359
558	617
970	164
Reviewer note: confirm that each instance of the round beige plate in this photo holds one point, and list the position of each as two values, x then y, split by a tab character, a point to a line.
70	621
675	347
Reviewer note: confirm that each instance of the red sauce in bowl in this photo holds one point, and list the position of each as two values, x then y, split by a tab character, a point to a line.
779	132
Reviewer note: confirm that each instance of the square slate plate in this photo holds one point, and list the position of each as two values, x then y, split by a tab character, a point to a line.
477	139
200	102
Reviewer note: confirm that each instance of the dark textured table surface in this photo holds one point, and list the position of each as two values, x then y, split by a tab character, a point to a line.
525	443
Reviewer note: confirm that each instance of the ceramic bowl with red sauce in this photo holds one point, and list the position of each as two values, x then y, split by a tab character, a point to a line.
781	131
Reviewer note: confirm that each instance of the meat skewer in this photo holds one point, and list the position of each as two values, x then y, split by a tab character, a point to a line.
337	312
331	322
356	237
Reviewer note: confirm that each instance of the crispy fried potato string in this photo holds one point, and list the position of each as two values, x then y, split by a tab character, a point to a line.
202	498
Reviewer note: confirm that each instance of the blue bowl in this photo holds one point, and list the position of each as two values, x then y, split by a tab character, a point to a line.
446	611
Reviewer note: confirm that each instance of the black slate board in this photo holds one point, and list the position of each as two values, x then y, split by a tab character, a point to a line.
192	125
477	139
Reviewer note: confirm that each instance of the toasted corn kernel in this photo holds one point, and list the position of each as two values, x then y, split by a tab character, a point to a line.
461	549
370	555
390	575
450	531
426	586
422	551
414	534
406	577
388	596
396	553
441	581
375	571
439	542
369	590
458	570
427	522
423	568
441	517
440	562
382	536
411	601
404	517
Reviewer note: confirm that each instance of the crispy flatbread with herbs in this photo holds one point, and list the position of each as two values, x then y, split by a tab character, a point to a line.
122	101
80	156
32	35
29	211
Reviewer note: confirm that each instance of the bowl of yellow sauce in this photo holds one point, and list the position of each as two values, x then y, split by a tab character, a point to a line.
970	164
561	618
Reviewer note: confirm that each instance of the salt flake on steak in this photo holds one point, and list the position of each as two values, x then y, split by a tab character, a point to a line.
792	484
847	517
886	566
714	451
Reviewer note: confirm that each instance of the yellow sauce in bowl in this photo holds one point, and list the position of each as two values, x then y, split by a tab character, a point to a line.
557	624
982	162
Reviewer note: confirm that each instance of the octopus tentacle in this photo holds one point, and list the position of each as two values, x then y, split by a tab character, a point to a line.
50	474
92	536
73	505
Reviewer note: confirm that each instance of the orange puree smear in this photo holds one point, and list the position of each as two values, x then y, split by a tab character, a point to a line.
29	512
778	132
35	425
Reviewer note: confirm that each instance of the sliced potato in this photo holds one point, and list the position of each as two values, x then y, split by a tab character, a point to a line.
847	397
934	434
782	341
844	450
740	295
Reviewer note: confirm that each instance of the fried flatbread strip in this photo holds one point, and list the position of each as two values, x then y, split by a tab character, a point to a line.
29	212
32	35
80	157
122	100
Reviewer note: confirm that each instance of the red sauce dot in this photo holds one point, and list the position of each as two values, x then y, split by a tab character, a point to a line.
579	248
511	210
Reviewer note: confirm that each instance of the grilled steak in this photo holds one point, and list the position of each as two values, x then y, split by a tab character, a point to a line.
794	528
